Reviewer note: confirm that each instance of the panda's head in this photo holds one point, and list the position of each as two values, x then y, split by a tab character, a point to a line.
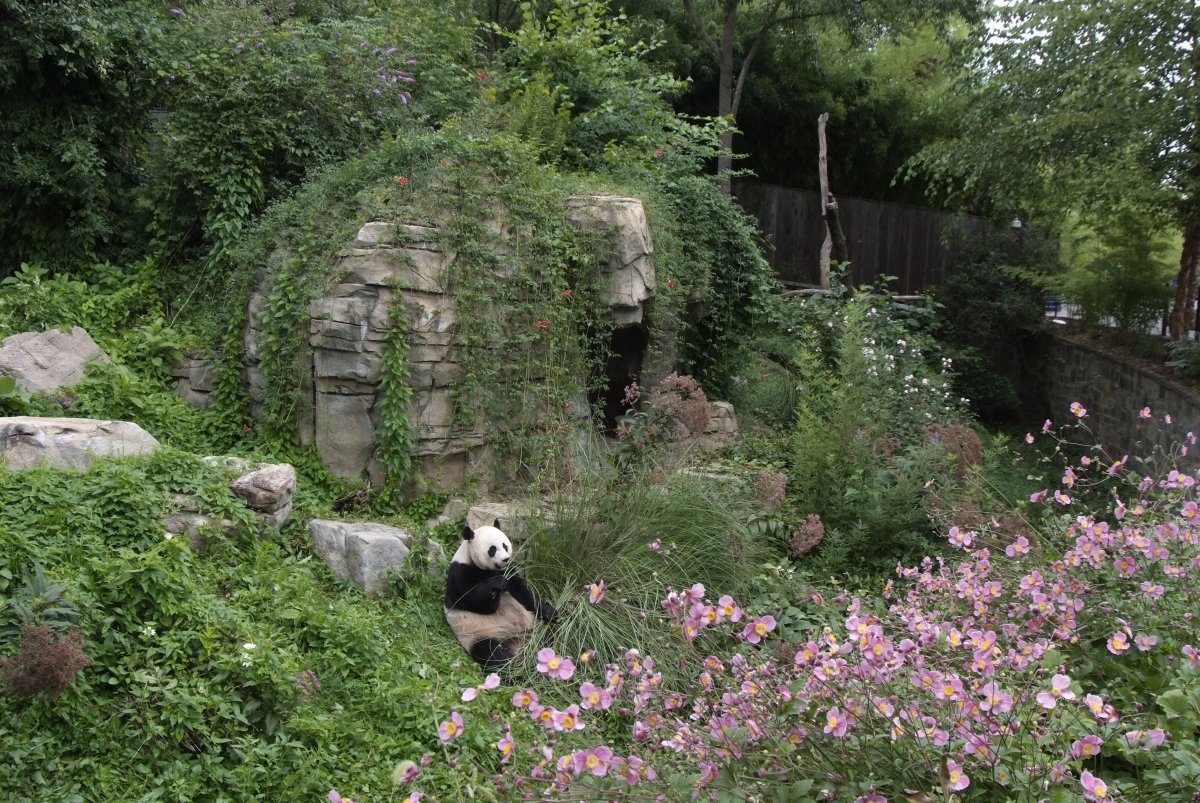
487	547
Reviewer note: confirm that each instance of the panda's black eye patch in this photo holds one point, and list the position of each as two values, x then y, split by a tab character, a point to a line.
492	551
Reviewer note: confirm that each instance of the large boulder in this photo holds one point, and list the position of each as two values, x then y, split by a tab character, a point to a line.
43	362
268	491
631	280
364	552
69	443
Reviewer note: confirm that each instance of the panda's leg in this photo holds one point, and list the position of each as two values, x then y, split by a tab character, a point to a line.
492	654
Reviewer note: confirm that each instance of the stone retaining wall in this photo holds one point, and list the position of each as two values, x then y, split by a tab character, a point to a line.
1114	390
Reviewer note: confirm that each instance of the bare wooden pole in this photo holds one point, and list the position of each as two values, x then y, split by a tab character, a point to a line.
823	170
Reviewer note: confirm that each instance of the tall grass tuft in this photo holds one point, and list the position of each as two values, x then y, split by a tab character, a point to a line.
641	538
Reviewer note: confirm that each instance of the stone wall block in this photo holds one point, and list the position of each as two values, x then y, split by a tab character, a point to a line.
345	435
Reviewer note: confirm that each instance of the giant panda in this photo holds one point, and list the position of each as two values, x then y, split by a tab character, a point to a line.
491	613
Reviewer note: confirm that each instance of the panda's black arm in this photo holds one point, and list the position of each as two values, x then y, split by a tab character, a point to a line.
475	591
524	595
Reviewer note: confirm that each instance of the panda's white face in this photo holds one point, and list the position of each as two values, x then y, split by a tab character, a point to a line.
490	548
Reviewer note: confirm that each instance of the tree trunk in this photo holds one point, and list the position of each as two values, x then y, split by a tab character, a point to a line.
823	178
1183	312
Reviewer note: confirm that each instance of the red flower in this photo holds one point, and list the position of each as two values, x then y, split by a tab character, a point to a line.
658	152
543	325
401	180
483	75
670	282
566	293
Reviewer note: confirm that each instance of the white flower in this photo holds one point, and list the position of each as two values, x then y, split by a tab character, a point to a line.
149	630
249	645
168	536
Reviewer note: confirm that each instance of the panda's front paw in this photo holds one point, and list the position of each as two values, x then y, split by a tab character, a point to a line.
547	613
496	585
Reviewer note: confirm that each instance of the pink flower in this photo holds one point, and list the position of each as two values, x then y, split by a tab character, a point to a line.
728	609
1192	656
506	746
871	797
1144	642
836	722
1029	437
595	697
956	779
1086	747
1093	787
995	700
1047	425
960	538
1060	686
554	665
1037	497
595	760
469	694
596	592
1078	410
1118	642
656	544
451	728
757	630
1145	413
1062	498
567	720
524	699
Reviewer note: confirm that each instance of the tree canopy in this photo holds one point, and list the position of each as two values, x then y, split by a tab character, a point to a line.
1090	106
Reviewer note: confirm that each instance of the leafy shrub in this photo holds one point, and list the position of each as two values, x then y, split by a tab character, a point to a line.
863	442
989	319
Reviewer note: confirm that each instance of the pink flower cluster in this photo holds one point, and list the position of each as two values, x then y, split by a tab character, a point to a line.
968	671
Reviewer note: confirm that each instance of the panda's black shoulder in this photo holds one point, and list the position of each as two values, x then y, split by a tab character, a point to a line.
460	579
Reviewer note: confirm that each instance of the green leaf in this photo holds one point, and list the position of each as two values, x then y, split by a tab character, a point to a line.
1174	702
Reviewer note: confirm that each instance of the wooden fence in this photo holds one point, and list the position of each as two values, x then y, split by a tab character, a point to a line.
913	244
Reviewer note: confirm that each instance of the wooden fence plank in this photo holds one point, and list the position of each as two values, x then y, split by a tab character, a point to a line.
916	245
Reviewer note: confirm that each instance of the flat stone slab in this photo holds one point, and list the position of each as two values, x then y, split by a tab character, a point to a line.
69	443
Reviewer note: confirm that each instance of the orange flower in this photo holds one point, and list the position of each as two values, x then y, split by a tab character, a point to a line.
543	325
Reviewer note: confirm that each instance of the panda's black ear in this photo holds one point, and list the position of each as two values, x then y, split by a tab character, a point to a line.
496	524
467	532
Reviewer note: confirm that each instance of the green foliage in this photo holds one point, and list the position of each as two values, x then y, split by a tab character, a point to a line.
37	600
1116	138
73	117
708	247
105	303
578	76
1126	283
395	429
990	316
258	97
863	435
194	691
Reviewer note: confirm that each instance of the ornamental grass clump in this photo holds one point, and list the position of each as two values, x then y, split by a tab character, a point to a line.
1065	666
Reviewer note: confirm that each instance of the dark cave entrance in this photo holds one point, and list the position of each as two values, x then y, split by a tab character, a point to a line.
627	352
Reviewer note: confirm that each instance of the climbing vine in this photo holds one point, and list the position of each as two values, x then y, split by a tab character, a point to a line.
395	428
